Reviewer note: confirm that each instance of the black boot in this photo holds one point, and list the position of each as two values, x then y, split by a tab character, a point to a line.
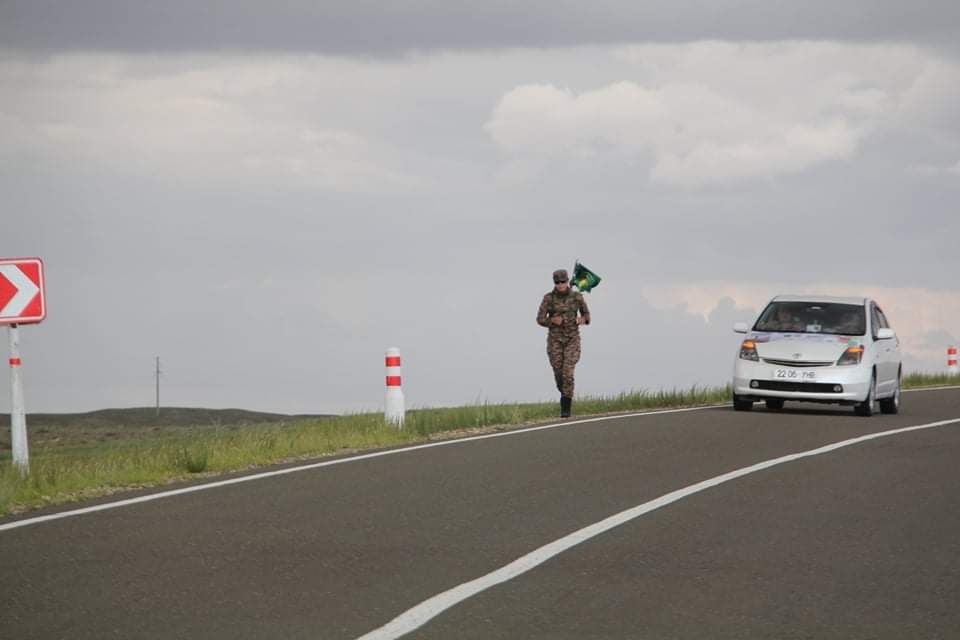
565	404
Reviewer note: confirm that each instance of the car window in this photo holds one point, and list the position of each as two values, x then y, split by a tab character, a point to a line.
883	319
875	316
813	317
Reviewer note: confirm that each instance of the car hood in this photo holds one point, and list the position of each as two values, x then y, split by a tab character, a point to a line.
802	346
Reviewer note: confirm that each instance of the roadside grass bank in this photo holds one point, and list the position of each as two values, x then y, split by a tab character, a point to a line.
60	475
916	380
66	474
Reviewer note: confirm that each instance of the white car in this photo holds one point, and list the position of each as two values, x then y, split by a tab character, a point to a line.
819	349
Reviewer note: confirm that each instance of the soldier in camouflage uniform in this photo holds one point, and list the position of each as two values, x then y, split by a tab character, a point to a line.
562	311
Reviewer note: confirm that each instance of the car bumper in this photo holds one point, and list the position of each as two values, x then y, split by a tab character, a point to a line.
758	381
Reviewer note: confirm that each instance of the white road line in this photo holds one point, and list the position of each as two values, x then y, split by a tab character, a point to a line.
419	615
279	472
268	474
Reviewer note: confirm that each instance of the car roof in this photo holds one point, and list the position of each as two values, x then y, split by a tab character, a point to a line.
817	298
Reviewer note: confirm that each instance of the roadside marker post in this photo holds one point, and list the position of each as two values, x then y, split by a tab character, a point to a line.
22	301
952	367
394	410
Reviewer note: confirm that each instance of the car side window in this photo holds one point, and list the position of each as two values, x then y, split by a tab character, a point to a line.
883	318
874	320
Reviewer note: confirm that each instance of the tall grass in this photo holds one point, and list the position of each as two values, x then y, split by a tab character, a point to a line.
58	476
923	379
64	475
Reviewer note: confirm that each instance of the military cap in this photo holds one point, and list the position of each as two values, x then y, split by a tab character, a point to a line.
560	275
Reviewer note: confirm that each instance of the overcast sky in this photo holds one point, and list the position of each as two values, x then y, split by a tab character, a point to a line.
268	198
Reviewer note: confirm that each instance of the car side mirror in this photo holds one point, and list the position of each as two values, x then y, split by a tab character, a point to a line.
740	327
886	334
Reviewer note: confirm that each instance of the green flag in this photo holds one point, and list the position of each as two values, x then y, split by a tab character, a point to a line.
583	278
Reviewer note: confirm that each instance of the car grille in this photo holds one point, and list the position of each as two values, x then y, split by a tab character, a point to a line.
803	387
799	363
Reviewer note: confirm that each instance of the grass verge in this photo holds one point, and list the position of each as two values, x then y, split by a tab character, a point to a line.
917	380
64	475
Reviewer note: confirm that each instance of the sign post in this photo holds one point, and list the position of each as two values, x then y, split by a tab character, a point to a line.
22	301
18	416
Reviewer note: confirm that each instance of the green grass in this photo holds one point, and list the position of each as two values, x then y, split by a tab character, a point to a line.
65	474
921	379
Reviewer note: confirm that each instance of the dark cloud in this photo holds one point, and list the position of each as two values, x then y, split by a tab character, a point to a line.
365	27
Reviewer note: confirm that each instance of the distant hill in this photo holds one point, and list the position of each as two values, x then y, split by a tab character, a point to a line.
147	417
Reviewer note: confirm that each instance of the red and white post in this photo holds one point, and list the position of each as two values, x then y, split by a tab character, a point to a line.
18	418
394	410
952	368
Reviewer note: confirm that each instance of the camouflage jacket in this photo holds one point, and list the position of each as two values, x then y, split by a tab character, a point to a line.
565	306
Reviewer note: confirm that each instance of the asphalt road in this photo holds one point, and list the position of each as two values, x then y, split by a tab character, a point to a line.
861	542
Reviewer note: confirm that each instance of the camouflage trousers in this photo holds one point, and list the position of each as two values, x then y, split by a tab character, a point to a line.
564	353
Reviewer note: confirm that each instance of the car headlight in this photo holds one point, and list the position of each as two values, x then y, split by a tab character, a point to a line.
748	351
853	355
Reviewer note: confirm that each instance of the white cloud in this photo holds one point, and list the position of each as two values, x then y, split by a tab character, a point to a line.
188	118
933	170
712	112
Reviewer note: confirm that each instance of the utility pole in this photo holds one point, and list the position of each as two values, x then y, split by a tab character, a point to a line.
158	386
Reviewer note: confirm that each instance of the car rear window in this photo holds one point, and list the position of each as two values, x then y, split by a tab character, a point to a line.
813	317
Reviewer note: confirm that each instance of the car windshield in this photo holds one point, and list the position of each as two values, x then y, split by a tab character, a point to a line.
813	317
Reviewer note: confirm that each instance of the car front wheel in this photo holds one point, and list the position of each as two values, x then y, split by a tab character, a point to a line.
741	405
892	404
865	408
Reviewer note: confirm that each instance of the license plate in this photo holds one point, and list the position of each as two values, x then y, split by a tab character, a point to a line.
794	374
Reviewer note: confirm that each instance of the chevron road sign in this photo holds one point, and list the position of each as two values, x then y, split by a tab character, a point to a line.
21	302
21	291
